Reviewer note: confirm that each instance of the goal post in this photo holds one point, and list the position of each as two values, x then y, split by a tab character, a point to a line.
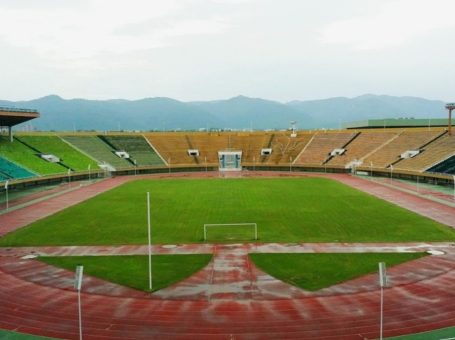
213	225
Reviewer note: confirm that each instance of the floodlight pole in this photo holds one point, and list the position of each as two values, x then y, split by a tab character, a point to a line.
69	177
135	167
391	172
254	163
89	172
417	183
169	164
149	241
371	169
205	161
290	163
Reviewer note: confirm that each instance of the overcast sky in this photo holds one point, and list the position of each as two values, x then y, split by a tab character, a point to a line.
214	49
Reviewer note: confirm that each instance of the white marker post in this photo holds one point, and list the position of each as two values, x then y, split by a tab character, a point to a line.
6	193
77	286
454	188
69	177
382	284
150	241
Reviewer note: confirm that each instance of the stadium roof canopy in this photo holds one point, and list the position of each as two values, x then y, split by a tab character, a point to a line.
396	123
13	116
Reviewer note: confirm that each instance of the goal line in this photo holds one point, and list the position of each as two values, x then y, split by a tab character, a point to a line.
206	226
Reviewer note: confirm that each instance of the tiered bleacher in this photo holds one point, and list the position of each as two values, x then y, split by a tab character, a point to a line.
318	150
406	140
285	148
9	170
28	158
98	150
137	147
359	148
54	145
173	147
431	155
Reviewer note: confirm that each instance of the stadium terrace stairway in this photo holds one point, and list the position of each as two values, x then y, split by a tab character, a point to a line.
97	149
137	147
27	158
432	154
318	149
407	140
54	145
10	170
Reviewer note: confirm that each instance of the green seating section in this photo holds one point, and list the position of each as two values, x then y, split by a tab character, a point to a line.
28	158
68	155
10	170
137	147
97	149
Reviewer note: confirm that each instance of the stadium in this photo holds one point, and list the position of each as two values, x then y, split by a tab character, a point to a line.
228	235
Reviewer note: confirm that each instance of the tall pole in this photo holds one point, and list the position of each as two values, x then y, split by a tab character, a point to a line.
290	164
6	193
454	188
80	313
89	172
450	107
205	161
169	164
69	177
391	172
382	284
78	286
150	241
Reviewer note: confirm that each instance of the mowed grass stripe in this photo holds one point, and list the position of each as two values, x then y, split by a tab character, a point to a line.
316	271
286	210
132	270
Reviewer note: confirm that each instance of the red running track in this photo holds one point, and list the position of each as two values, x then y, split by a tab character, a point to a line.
419	301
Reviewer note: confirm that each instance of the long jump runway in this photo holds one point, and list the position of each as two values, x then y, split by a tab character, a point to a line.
229	299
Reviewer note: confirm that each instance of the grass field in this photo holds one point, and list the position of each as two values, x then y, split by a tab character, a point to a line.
132	271
286	210
316	271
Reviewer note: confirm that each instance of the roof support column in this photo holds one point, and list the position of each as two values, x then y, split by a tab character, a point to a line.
10	133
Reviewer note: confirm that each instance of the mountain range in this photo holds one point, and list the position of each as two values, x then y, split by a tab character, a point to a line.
160	113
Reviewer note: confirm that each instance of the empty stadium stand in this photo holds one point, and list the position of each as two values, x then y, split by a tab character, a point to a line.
97	149
69	156
9	170
172	147
317	151
137	147
27	158
432	154
366	142
410	139
285	149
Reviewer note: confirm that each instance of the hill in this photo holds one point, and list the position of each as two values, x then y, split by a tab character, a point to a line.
240	112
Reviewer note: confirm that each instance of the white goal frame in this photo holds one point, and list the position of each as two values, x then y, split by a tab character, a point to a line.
231	225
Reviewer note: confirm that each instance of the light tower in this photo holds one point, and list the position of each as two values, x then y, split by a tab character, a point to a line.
293	129
450	107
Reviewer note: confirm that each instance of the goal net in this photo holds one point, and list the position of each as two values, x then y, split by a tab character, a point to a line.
231	231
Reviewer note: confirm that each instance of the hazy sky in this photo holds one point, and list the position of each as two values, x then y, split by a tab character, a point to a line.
214	49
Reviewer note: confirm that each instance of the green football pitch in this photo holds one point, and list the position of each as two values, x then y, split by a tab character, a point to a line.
285	210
